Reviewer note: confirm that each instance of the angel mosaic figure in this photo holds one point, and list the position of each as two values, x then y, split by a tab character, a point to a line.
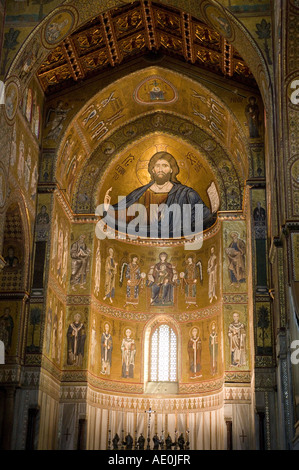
135	280
189	278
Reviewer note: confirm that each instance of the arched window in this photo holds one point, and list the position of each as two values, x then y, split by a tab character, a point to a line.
163	355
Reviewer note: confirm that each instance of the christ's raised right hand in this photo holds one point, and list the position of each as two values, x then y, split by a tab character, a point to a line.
107	199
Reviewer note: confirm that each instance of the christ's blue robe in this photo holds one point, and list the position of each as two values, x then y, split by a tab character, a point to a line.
180	195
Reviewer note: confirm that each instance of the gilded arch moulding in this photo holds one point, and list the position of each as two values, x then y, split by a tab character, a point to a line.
114	105
84	199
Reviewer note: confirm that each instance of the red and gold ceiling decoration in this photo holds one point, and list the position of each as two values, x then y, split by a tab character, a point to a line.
119	35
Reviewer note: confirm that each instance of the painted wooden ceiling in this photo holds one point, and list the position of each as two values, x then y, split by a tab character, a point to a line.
141	28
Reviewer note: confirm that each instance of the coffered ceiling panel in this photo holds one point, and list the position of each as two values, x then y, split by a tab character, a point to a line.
134	30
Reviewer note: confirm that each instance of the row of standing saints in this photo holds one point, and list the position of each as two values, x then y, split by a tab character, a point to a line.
76	336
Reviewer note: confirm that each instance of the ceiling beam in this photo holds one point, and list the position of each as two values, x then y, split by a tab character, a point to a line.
148	16
72	59
187	37
111	40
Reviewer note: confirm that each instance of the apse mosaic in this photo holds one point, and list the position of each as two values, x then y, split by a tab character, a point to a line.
127	281
133	171
156	280
109	110
195	144
112	303
114	288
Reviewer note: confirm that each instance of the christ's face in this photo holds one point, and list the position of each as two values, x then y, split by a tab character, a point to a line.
162	171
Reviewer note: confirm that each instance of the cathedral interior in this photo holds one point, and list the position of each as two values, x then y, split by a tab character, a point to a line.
112	341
